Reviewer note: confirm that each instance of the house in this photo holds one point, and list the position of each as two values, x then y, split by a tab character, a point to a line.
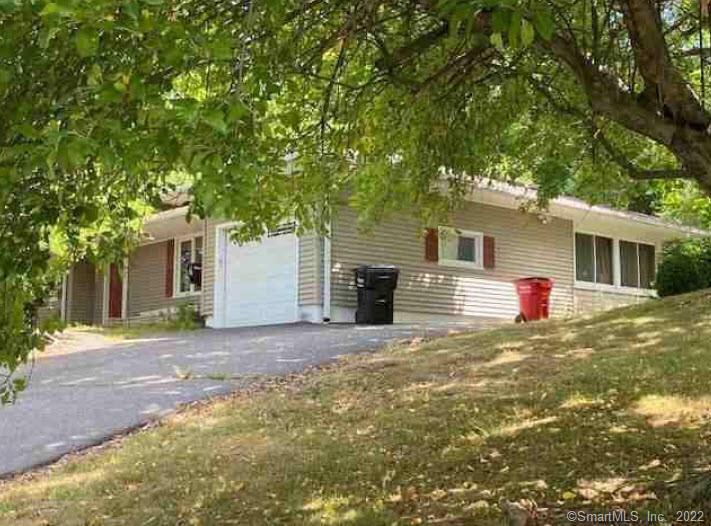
598	258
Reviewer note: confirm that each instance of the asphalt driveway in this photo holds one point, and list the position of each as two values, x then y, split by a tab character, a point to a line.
80	398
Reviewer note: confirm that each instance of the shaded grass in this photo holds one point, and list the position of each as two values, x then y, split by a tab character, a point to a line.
136	331
611	410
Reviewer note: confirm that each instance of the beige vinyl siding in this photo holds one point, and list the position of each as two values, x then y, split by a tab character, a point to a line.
524	247
596	300
146	283
82	284
310	269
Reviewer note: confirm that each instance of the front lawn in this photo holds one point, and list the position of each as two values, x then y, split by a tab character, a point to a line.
588	414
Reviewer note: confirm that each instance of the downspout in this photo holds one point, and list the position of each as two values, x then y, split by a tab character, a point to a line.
327	275
63	303
124	290
201	308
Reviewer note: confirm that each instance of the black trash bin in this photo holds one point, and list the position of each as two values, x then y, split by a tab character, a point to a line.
376	286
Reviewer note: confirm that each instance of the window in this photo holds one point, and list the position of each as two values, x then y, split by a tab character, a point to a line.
601	260
593	259
629	264
189	253
637	264
460	248
584	258
647	265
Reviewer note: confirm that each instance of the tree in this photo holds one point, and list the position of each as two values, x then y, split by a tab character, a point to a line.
389	101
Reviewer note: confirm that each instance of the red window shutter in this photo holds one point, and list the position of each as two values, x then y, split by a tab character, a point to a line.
169	268
431	245
489	252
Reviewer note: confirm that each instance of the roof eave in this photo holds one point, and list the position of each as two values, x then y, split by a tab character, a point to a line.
511	196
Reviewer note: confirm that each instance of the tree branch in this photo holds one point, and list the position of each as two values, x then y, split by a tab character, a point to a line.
606	96
613	152
652	56
403	54
633	170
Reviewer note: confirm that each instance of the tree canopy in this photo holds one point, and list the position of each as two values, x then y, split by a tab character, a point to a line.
102	100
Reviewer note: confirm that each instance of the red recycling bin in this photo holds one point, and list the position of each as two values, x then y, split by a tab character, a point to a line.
533	298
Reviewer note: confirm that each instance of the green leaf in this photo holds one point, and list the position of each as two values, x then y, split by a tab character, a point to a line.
459	15
76	152
56	8
87	41
50	9
497	41
94	77
28	131
46	36
5	77
221	49
186	109
90	213
527	33
543	22
216	119
7	6
236	111
501	20
515	29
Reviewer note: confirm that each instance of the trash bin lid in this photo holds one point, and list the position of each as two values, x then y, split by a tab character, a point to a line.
533	280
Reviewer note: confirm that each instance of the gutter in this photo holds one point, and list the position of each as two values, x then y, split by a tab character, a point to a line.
566	207
327	276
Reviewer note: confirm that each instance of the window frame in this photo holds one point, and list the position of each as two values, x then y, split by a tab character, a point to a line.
639	261
636	255
615	257
178	241
616	286
478	237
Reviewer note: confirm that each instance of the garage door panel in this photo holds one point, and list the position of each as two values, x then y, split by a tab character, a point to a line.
261	282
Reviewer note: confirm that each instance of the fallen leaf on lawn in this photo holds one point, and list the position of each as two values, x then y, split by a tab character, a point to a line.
569	495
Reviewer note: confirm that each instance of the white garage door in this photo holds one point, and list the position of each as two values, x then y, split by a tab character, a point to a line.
261	281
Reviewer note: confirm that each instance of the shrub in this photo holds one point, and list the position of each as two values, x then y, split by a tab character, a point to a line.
187	318
685	267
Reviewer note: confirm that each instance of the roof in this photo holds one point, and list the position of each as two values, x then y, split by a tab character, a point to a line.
171	213
501	193
485	190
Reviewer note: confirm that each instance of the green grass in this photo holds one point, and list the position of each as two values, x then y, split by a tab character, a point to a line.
587	414
139	330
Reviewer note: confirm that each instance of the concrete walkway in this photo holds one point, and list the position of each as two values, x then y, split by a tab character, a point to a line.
93	389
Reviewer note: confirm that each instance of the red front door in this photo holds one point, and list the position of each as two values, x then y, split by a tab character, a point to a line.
115	292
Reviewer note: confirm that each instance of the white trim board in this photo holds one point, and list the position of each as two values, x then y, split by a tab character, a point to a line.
327	270
176	264
443	232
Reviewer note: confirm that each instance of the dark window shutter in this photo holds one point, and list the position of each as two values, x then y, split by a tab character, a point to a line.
489	252
431	245
169	268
